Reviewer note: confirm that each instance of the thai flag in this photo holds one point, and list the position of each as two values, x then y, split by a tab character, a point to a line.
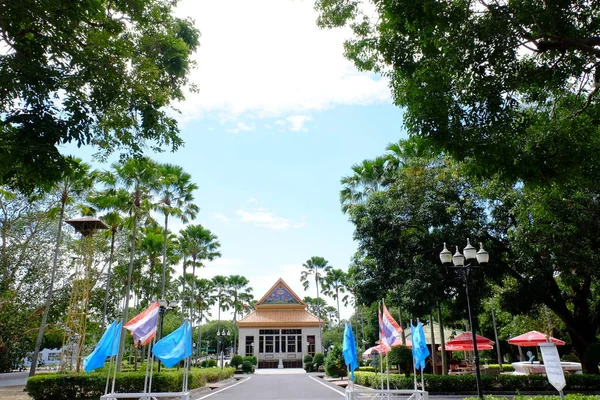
143	325
388	328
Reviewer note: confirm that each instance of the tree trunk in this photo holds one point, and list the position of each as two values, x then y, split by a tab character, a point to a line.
38	342
433	346
127	290
402	334
164	258
442	341
498	352
110	261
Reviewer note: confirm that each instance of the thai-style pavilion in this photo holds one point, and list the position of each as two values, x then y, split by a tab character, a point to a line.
280	332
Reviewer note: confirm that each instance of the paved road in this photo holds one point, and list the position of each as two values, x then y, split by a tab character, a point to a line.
14	379
289	387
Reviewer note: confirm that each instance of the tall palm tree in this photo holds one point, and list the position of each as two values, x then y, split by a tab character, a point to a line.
368	177
136	176
202	303
318	267
175	192
79	180
335	284
241	294
221	289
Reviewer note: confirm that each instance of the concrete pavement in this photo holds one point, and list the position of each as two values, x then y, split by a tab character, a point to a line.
14	378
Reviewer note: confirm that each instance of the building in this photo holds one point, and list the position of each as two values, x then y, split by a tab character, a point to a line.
280	332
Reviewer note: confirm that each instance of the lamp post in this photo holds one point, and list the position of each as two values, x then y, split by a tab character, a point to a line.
458	261
163	306
222	334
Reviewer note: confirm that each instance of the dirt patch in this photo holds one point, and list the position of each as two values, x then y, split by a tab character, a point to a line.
13	393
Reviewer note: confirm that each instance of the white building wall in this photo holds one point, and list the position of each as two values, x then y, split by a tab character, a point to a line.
310	331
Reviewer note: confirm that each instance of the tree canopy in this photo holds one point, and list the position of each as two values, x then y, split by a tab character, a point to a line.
91	73
510	87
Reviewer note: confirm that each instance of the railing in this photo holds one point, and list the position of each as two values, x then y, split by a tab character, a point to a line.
386	395
147	396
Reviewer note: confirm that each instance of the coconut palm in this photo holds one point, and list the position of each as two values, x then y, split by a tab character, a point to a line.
175	192
78	181
137	177
334	285
318	267
241	295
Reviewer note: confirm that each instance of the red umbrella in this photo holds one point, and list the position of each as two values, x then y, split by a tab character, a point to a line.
467	347
380	349
467	339
534	338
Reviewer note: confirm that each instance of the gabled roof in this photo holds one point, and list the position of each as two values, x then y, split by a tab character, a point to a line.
280	295
280	307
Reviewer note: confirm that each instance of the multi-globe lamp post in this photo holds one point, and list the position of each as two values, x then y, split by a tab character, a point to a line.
457	261
220	336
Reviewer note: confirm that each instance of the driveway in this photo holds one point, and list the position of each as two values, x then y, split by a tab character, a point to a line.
280	386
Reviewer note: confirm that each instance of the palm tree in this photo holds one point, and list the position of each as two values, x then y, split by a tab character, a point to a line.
79	180
241	294
136	176
221	289
317	266
334	285
175	198
202	302
368	177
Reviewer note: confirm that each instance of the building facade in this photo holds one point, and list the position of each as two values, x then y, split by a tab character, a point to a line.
280	332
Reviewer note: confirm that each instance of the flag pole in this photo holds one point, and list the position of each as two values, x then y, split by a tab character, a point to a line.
412	331
387	358
422	380
380	344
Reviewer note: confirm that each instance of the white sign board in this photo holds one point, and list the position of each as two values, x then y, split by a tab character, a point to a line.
554	370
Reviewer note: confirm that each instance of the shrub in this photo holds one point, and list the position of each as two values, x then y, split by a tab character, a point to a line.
334	363
212	363
83	386
308	363
571	357
402	357
236	361
366	369
253	360
247	367
318	359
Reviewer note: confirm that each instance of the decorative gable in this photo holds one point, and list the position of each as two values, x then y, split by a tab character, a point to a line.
280	295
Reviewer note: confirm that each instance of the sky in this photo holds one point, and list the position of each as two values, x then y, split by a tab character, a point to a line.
280	118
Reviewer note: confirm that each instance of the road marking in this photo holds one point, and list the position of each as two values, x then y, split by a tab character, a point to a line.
327	386
228	387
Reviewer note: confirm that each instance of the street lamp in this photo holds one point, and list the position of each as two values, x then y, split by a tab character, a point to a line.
163	306
458	261
221	335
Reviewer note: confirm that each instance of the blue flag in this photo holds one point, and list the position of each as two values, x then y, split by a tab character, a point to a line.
420	350
174	347
106	347
349	350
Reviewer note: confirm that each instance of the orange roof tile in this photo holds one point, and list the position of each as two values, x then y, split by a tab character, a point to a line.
279	318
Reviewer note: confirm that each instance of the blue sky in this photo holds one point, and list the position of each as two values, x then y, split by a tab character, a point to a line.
280	118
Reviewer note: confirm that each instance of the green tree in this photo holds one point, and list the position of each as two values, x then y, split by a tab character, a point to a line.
136	177
241	298
78	181
175	192
335	285
102	73
488	82
317	267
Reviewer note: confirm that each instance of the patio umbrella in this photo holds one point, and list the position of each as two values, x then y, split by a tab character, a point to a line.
534	338
467	339
467	347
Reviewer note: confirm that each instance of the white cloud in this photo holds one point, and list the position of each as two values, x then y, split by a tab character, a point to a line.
252	200
241	127
268	59
296	122
263	218
221	217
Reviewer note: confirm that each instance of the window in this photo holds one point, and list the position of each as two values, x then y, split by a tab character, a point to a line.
268	344
249	345
268	332
277	344
291	331
261	344
291	344
311	344
299	344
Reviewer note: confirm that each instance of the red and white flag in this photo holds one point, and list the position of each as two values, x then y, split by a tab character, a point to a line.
389	330
143	325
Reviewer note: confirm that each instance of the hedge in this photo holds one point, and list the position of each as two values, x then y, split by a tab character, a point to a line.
456	384
90	387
